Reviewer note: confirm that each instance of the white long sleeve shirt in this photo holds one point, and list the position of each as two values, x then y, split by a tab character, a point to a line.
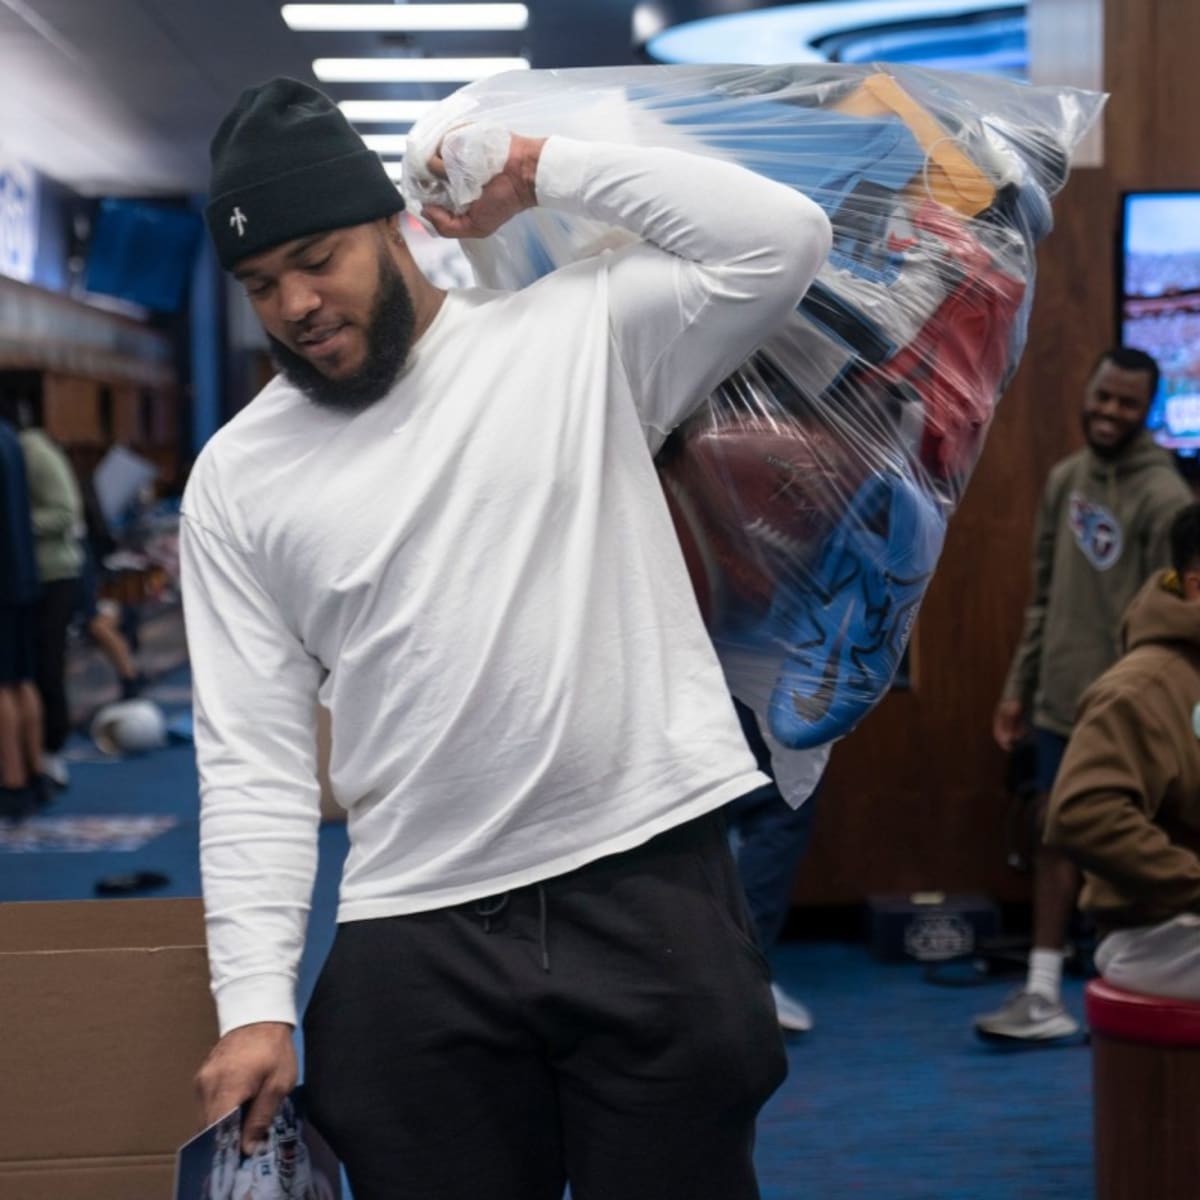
478	576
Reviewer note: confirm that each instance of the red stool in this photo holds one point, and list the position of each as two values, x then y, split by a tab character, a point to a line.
1146	1085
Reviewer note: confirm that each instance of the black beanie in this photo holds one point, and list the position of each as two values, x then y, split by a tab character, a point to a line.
286	163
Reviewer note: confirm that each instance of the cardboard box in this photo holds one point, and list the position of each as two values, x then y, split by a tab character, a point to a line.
105	1016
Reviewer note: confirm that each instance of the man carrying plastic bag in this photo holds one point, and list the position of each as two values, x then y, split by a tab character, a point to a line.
543	969
443	522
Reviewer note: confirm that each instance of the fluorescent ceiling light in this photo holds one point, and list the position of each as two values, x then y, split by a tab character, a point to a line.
385	111
394	168
387	143
405	18
413	70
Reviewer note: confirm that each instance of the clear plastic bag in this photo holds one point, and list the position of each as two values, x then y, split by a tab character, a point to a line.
811	491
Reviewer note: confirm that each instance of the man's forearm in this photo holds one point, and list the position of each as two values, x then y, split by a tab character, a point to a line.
724	258
1022	680
258	872
699	208
1108	834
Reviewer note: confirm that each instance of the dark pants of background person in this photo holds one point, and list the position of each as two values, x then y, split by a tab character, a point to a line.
1056	880
771	840
55	608
18	631
612	1027
1049	748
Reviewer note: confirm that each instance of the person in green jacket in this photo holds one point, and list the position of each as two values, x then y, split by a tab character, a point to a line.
56	507
1102	531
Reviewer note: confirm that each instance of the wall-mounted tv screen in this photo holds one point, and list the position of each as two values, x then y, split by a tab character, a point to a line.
142	252
1160	306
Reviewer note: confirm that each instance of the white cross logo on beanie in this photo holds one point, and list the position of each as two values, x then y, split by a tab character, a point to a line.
239	219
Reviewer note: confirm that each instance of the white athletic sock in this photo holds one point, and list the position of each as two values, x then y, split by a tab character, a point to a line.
1045	974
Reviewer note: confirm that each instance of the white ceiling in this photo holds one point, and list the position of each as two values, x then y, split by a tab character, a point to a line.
121	96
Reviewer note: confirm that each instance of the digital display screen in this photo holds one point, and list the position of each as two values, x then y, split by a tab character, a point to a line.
143	253
1160	306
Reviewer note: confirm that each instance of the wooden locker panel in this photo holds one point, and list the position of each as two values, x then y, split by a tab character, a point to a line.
71	409
161	408
127	425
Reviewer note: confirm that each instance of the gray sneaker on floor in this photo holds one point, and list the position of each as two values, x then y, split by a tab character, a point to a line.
793	1016
1027	1017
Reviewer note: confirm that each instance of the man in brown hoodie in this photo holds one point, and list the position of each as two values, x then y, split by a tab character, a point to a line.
1126	806
1101	532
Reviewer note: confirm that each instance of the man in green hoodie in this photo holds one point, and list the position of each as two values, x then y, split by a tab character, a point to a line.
1101	532
1126	807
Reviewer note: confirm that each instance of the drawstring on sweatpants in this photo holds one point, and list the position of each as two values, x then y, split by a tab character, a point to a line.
543	928
493	906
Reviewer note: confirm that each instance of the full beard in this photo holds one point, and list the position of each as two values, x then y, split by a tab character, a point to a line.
1118	447
389	340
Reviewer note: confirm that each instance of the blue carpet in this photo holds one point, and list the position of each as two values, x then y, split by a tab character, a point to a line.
892	1097
889	1098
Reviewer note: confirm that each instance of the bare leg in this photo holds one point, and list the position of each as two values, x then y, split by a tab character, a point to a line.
12	756
113	645
1056	884
1036	1014
29	706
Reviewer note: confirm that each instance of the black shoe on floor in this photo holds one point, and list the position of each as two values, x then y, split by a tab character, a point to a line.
130	883
16	804
131	689
44	789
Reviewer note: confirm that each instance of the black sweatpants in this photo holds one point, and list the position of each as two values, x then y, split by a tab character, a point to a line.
613	1027
56	604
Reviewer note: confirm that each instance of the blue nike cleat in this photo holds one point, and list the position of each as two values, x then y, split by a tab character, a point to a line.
847	629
